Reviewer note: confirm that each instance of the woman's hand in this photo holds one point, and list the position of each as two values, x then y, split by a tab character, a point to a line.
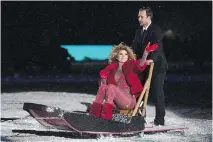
102	82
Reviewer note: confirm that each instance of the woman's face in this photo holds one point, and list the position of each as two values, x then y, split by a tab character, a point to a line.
122	56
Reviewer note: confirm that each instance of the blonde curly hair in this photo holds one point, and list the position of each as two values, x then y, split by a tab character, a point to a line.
117	48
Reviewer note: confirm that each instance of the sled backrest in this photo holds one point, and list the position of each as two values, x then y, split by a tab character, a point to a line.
143	98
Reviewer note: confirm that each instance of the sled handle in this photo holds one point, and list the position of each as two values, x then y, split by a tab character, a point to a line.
145	90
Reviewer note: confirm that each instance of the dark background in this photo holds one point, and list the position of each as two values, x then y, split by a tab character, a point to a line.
32	33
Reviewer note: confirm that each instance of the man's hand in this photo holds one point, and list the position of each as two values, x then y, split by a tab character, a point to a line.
151	48
148	62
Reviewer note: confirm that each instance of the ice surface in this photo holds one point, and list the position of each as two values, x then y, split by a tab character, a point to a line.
198	121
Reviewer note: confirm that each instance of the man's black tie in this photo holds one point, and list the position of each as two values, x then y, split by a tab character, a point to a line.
143	33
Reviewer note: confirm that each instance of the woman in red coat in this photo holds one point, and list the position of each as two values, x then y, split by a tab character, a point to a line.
120	85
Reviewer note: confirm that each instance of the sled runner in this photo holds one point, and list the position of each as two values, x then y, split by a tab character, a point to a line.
53	117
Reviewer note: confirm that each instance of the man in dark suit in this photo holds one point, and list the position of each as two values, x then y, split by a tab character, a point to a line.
148	32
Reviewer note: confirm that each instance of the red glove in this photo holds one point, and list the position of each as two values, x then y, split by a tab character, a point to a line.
151	48
105	72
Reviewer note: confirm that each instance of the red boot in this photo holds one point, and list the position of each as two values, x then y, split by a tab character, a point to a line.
106	112
95	109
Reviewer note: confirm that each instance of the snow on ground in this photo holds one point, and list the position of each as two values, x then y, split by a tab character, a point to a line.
199	127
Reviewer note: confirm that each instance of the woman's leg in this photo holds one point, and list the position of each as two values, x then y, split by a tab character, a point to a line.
95	109
121	99
100	94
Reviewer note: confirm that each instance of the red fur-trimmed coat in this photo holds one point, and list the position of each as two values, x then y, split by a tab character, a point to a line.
130	69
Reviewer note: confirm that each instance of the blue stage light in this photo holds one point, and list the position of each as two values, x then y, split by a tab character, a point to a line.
94	52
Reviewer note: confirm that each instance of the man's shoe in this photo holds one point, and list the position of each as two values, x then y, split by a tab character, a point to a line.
159	121
158	124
